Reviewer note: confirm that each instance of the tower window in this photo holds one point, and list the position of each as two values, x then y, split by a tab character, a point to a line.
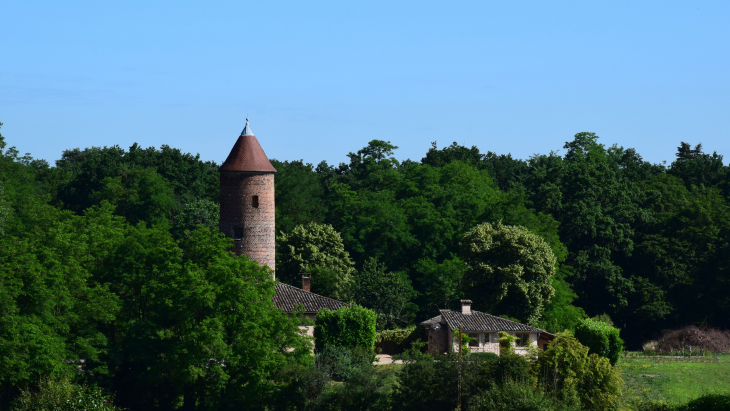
255	201
238	233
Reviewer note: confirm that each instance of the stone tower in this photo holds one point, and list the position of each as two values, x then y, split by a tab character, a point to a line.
247	199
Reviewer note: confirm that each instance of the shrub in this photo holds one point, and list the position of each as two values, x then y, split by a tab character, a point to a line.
516	396
572	376
347	327
63	395
506	343
600	338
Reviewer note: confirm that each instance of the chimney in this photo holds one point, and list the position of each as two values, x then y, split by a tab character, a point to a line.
306	284
466	307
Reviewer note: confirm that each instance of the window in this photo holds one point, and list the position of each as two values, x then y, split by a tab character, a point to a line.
255	201
522	340
475	339
238	233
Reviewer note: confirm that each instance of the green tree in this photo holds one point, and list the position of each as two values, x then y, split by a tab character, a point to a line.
441	283
387	293
299	195
51	300
139	195
197	327
316	249
510	270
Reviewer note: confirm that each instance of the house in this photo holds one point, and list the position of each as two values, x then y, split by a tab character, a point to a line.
483	328
291	299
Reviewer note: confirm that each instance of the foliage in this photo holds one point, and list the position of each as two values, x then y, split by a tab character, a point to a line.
560	314
441	283
569	374
425	382
195	323
387	293
600	338
399	340
62	395
199	212
85	171
510	270
298	195
506	343
516	396
51	300
310	248
352	326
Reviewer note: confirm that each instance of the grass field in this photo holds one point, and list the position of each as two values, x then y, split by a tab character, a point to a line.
675	381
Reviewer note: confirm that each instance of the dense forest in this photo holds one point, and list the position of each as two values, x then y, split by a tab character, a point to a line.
111	242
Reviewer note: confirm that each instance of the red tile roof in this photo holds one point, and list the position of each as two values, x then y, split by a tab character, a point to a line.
247	155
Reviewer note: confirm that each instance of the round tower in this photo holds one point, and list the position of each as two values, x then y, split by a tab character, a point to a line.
247	200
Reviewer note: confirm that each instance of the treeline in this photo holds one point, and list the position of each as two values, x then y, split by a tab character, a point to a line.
647	244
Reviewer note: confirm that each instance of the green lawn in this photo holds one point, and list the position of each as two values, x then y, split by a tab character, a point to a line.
675	381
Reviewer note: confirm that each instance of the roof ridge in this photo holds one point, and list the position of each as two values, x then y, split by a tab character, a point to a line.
311	293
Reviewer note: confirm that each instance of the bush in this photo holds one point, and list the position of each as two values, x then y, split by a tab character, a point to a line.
63	395
430	383
707	402
600	338
347	327
516	396
572	376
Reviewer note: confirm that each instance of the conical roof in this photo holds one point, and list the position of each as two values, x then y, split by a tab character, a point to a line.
247	155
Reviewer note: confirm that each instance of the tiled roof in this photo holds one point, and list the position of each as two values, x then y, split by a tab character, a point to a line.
247	155
479	321
288	297
430	321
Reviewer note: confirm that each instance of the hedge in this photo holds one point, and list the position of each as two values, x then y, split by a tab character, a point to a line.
352	326
600	338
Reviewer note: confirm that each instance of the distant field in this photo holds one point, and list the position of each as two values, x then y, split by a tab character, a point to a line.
675	381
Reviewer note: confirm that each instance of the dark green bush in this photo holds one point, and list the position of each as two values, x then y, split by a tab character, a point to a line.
430	383
347	327
707	402
516	396
600	338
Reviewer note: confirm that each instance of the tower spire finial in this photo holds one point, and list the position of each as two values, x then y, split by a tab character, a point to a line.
247	129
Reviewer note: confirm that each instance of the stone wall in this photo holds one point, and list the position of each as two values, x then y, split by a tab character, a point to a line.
239	210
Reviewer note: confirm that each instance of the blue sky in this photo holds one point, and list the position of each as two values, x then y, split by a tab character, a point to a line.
321	79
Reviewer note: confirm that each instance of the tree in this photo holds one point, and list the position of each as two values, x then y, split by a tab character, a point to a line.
197	328
387	293
315	248
510	270
299	195
139	195
440	284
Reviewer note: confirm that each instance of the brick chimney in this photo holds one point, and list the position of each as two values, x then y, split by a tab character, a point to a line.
306	283
466	307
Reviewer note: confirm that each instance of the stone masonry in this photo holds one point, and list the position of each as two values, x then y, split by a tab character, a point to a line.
239	193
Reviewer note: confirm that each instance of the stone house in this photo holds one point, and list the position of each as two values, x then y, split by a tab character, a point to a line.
483	328
291	299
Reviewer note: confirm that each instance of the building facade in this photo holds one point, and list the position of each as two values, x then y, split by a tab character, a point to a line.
247	200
